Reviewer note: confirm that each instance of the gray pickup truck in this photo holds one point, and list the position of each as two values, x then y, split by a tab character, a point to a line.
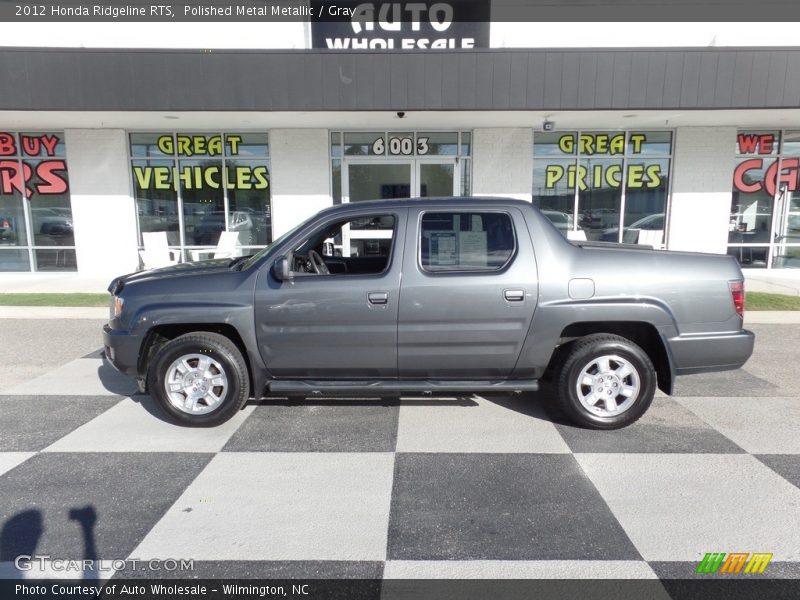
428	296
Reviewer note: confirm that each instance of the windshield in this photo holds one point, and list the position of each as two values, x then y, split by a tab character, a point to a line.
556	217
655	221
253	259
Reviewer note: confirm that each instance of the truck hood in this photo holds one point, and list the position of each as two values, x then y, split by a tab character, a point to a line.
173	271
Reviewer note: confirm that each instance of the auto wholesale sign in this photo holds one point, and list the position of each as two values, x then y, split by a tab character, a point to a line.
402	25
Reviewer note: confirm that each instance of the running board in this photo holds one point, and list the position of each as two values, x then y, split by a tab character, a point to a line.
304	387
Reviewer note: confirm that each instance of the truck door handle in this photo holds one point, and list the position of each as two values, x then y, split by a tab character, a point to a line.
378	297
514	295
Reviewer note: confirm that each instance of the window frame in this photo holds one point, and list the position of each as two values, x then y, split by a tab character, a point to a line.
294	247
476	271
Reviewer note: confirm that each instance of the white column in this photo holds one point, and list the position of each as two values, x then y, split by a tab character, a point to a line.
701	189
103	209
502	162
301	178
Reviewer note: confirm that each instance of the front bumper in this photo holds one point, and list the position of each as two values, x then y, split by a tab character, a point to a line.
711	352
122	350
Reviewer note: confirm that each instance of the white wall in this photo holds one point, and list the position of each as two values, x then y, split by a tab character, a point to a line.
640	34
502	162
103	210
295	34
245	35
701	188
300	175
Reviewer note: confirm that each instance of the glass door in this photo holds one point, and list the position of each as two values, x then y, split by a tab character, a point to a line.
371	180
786	253
436	178
377	180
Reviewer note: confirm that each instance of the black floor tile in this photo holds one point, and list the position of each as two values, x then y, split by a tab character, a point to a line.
785	465
665	427
500	506
319	426
89	505
31	423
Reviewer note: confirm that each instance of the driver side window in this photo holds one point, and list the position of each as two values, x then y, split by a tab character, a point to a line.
356	246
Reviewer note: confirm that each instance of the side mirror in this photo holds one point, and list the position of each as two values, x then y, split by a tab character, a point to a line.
281	270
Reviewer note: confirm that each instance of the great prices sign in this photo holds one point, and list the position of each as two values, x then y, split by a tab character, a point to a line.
638	174
28	165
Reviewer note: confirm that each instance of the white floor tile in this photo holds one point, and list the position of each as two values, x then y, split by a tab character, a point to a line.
9	460
139	426
81	377
280	506
481	426
679	506
759	425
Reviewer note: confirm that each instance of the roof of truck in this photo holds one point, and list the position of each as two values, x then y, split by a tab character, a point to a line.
428	201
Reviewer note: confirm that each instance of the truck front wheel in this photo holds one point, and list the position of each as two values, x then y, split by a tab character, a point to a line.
605	382
199	379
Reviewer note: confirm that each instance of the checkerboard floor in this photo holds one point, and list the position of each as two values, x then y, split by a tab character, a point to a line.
472	487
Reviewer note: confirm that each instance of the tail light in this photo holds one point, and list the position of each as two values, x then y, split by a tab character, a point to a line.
737	294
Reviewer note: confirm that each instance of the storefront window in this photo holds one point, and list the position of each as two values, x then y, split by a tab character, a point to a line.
196	185
609	186
441	143
646	190
599	195
555	193
336	167
764	227
36	231
359	143
156	198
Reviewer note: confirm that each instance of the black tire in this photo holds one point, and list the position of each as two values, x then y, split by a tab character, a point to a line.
228	360
580	356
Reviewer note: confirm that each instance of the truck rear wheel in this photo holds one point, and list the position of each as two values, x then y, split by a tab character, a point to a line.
199	379
605	382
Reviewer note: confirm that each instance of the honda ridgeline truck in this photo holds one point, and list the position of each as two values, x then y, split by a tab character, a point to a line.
428	296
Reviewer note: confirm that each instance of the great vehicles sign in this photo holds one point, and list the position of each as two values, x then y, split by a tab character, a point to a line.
402	25
202	174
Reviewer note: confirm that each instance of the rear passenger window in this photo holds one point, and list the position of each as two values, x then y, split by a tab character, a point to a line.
466	241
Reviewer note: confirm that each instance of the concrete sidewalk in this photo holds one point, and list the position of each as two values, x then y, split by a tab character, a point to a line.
54	312
53	283
776	281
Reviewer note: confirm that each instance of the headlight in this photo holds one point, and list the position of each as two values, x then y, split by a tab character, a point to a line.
118	304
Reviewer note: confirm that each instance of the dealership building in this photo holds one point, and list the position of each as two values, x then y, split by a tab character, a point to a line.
691	148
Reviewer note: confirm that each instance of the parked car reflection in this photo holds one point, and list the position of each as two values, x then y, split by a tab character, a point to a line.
597	218
650	222
561	220
49	221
